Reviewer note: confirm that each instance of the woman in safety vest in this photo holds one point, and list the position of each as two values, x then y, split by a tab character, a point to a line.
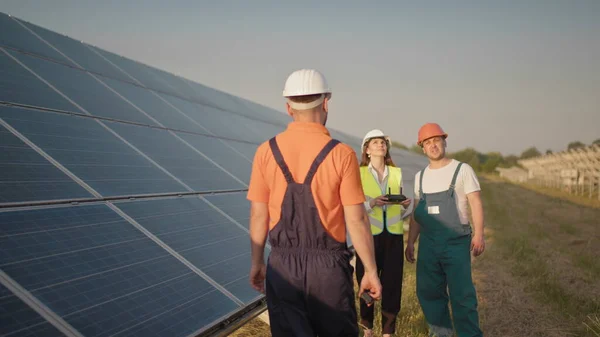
380	177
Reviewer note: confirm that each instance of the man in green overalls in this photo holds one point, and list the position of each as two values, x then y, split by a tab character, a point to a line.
443	191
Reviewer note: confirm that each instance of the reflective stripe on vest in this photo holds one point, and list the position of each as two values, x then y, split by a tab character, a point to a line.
371	188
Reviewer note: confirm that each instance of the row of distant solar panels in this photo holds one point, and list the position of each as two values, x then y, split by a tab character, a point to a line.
115	261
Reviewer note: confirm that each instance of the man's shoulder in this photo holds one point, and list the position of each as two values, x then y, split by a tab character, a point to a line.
343	148
465	168
262	149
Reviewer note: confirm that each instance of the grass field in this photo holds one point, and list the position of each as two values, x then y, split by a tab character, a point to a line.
539	275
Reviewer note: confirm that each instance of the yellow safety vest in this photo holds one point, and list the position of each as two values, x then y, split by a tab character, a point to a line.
394	223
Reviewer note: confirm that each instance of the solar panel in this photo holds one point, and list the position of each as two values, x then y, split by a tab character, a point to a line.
92	153
176	222
14	36
84	90
187	163
25	175
17	85
141	73
18	319
76	51
123	206
105	277
219	122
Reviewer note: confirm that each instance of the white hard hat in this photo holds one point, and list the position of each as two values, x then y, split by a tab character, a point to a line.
306	82
375	133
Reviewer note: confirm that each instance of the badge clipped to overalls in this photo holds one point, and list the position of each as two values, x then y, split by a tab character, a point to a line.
433	209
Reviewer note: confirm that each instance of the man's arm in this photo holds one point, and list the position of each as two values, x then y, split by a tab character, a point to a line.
476	206
259	228
414	228
357	223
258	194
472	190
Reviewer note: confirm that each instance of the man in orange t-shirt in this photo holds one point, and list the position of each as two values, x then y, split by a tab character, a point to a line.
305	192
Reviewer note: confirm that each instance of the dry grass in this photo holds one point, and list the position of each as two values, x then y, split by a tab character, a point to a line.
583	199
542	247
539	275
254	328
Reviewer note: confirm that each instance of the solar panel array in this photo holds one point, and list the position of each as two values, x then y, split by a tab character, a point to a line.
122	192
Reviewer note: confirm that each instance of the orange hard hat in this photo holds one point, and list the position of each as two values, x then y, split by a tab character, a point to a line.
430	130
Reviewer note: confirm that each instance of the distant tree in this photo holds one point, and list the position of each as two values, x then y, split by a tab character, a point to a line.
596	142
469	156
492	160
399	145
509	161
530	153
575	145
549	151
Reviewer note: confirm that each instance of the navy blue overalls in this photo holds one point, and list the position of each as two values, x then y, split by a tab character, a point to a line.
444	260
309	285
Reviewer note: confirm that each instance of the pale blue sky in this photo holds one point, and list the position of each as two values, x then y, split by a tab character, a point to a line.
497	75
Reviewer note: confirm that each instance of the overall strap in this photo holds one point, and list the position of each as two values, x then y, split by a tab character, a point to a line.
453	183
280	161
421	184
319	159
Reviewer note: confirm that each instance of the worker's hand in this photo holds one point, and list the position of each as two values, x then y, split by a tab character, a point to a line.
477	244
257	277
406	202
371	284
409	252
379	201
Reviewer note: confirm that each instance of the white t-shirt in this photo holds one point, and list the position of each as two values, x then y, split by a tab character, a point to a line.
437	180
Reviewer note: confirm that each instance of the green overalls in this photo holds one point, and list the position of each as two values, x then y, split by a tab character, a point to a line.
444	261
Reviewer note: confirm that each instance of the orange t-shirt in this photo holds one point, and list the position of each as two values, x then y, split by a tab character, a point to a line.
335	184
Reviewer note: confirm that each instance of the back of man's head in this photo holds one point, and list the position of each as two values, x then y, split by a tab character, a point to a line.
307	94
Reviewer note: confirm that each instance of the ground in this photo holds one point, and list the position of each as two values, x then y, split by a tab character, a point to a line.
539	275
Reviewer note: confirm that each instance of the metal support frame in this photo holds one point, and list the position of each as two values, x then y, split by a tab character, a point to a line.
571	170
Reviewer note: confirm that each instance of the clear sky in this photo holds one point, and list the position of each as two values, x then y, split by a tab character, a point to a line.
497	75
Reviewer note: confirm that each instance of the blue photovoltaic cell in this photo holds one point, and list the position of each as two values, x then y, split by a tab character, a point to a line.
27	176
13	35
155	107
17	85
177	158
84	90
103	276
224	153
246	149
218	98
19	320
221	123
91	152
139	71
78	52
266	114
179	86
199	233
234	204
